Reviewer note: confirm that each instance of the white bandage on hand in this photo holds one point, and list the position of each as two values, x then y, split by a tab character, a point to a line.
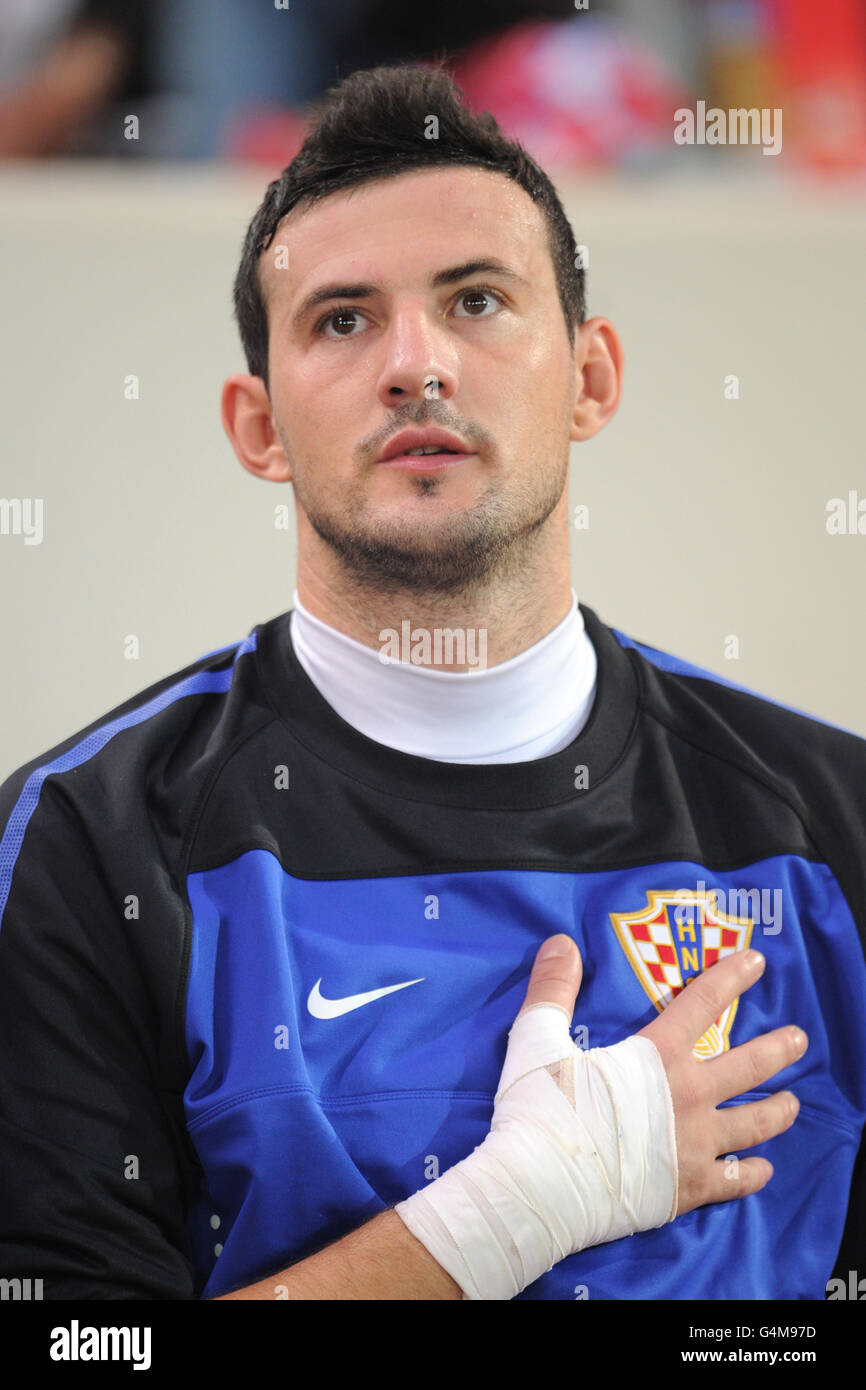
581	1150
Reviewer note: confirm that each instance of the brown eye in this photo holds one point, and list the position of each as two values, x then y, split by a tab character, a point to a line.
479	297
341	317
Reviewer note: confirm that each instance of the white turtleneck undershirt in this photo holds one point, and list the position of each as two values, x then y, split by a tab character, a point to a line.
527	707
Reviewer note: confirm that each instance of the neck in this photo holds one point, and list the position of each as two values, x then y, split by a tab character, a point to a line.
503	617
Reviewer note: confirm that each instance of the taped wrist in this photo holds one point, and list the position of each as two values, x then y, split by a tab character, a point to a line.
581	1150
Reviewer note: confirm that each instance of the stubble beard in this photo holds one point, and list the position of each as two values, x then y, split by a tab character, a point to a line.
488	544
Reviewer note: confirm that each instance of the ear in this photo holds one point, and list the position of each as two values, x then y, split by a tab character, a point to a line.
598	368
248	422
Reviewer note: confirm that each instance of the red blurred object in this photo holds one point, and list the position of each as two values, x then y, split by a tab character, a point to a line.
270	136
580	91
821	50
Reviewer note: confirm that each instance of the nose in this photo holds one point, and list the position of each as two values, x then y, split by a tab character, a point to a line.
418	362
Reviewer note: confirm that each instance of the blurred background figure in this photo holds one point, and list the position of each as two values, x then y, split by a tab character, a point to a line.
62	64
578	83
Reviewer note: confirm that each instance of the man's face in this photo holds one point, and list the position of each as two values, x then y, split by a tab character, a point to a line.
350	372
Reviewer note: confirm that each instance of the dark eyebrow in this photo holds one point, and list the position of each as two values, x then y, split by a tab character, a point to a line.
453	275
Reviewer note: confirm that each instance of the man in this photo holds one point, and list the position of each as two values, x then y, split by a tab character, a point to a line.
267	926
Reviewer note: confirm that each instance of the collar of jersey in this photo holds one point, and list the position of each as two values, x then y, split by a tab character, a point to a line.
546	781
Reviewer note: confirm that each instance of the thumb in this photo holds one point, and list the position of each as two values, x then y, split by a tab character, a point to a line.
556	975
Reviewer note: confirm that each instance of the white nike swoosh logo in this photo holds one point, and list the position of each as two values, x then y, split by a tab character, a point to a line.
320	1007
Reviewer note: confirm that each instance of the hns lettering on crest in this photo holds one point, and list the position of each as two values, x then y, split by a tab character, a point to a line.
672	940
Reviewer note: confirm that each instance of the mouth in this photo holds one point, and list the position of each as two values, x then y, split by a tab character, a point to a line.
426	463
424	450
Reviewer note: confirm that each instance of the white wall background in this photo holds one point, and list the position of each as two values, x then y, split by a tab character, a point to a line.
707	516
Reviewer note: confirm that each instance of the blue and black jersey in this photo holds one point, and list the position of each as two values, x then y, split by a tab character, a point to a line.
257	970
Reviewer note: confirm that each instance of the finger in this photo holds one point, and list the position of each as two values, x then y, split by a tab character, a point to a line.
730	1177
556	975
744	1126
705	998
748	1066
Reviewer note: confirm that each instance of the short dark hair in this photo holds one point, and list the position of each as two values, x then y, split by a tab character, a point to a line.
372	126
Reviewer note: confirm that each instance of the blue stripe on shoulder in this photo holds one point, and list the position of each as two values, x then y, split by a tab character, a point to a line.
665	662
199	683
